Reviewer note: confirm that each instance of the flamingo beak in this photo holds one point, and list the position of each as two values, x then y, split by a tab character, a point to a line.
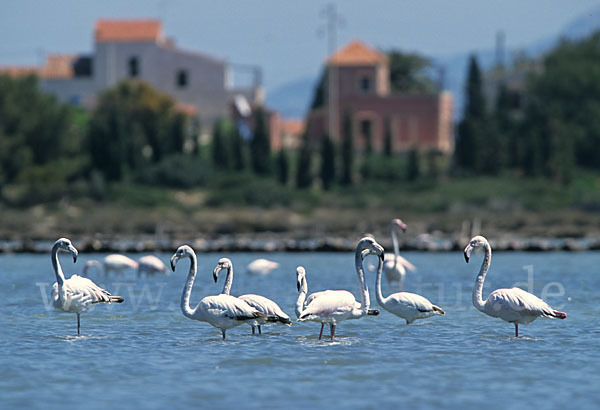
403	227
216	272
467	253
298	285
173	262
74	253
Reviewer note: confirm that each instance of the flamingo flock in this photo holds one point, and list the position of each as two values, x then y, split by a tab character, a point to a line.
225	311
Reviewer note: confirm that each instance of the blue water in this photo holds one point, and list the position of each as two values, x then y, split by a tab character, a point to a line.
145	353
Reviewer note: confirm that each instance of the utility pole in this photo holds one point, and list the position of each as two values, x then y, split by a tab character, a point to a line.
333	19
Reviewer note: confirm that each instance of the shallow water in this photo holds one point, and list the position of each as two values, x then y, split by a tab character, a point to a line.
145	353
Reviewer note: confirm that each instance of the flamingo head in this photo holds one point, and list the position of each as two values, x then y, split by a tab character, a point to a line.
66	245
397	223
300	276
224	263
475	242
368	246
182	251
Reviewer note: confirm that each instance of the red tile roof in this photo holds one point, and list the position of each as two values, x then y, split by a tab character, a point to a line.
128	30
356	53
57	66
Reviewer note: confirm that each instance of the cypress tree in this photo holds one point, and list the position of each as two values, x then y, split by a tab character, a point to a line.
260	147
413	165
238	146
387	141
327	162
282	167
303	174
220	153
347	150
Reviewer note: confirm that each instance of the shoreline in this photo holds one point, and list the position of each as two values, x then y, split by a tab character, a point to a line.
275	243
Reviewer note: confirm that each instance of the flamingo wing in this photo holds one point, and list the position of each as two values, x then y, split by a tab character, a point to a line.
329	304
410	301
79	293
266	306
227	306
517	305
402	261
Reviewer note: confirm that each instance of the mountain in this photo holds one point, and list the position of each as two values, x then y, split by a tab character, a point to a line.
292	99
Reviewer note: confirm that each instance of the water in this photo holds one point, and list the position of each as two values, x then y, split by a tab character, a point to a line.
145	353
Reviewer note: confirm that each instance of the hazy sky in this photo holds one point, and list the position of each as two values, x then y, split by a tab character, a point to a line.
282	36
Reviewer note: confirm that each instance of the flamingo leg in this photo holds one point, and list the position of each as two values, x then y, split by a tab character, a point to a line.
259	331
332	331
78	325
516	330
223	331
321	334
252	329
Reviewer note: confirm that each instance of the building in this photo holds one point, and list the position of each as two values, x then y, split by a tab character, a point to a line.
137	49
358	83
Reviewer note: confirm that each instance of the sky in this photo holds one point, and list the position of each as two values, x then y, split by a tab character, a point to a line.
286	38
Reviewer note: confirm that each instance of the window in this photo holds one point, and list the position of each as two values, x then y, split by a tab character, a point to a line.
181	79
134	67
365	84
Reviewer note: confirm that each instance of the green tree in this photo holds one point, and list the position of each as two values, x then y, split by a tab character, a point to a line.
469	152
40	138
327	162
221	145
260	146
133	125
408	72
282	167
303	172
388	147
238	149
347	165
320	91
413	165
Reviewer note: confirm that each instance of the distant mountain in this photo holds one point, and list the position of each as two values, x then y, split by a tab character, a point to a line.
292	99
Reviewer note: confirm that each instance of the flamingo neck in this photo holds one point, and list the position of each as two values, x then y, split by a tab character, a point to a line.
228	281
478	289
396	247
301	298
364	290
60	276
380	299
187	290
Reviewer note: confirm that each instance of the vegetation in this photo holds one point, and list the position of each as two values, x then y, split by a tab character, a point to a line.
516	156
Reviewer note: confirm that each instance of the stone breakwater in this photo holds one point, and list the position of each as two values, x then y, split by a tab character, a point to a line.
274	243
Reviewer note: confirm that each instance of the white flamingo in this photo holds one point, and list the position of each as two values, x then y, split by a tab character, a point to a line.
111	263
334	306
151	264
406	305
512	305
221	311
261	267
76	294
395	265
260	303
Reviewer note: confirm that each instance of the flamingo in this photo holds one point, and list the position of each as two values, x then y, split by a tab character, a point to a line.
511	305
260	303
261	267
406	305
113	262
395	265
151	264
221	311
334	306
76	294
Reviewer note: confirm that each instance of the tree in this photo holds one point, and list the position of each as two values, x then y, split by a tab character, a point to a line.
408	72
347	150
320	91
327	162
388	147
468	153
238	148
303	172
282	167
133	125
260	146
220	145
36	131
413	165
